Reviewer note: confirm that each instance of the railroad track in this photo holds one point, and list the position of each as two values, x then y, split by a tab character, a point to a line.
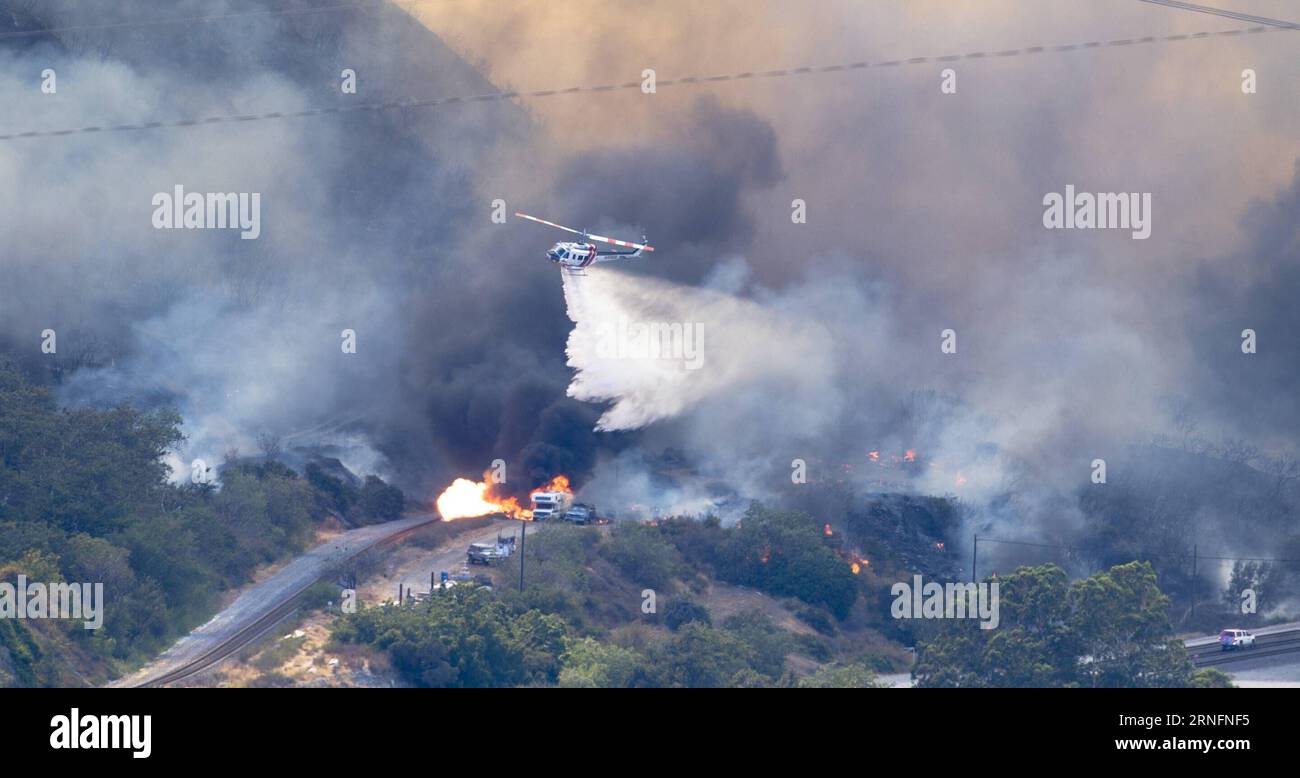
249	634
264	624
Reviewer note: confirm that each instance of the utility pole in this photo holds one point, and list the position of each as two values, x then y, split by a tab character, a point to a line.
1193	581
974	559
523	533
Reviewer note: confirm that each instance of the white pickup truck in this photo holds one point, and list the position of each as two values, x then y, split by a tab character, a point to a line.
1230	639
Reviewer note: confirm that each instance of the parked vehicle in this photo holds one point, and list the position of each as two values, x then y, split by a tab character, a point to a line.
581	513
551	505
488	553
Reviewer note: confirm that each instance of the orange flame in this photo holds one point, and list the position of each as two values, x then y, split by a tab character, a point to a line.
827	531
559	483
467	499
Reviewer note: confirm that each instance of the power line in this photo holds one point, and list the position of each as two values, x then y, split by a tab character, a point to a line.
1241	17
685	81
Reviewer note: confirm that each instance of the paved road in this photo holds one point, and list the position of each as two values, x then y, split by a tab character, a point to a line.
263	605
1278	645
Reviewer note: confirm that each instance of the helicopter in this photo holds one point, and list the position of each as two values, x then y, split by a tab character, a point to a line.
576	257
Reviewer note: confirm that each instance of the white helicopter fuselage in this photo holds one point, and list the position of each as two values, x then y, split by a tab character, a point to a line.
578	256
572	256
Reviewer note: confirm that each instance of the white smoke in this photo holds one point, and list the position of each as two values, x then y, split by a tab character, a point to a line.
713	345
806	374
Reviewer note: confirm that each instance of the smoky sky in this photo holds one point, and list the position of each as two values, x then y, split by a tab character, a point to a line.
924	213
372	221
691	187
364	215
1253	395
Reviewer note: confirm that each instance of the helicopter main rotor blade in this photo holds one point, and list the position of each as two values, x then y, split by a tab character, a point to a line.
549	224
588	236
618	242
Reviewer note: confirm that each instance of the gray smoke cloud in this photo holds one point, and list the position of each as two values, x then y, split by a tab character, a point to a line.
822	340
365	222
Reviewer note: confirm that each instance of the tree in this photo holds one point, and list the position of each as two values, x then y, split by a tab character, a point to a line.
768	643
783	552
681	611
270	444
381	501
644	555
341	494
1121	620
1110	629
1032	645
1262	578
461	638
698	656
590	664
90	488
1212	678
842	676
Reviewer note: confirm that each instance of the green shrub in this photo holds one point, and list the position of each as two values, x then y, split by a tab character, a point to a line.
644	555
681	611
783	553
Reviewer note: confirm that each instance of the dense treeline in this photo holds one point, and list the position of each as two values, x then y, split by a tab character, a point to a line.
581	620
85	497
1111	629
474	638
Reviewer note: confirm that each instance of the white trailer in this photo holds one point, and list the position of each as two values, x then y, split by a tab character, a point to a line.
551	505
